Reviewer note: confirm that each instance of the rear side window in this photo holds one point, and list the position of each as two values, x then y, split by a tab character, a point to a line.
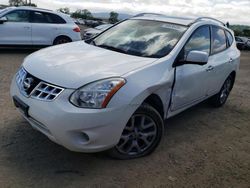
229	38
200	41
219	42
41	17
55	19
18	16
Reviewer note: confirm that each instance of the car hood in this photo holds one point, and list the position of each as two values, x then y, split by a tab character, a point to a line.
94	31
76	64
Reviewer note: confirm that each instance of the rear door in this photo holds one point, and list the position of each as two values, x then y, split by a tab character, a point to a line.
192	80
45	27
17	30
220	60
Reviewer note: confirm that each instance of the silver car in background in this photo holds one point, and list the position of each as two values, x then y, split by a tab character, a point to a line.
92	32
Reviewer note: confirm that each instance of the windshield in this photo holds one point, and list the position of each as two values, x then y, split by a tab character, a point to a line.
4	10
145	38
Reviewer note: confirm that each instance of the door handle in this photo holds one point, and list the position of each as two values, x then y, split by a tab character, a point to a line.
26	27
230	60
210	68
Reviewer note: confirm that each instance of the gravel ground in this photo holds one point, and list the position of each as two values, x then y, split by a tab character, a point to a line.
202	147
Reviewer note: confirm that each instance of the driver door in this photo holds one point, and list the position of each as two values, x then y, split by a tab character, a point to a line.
17	29
192	79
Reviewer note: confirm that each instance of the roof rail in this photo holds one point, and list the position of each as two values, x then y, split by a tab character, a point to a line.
208	18
145	14
36	8
157	14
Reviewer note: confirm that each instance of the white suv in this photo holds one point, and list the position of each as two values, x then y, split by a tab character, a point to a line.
115	91
33	26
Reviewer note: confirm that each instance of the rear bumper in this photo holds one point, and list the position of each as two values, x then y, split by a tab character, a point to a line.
76	37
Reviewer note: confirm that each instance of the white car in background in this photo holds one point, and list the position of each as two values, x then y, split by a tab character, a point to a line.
92	32
114	92
33	26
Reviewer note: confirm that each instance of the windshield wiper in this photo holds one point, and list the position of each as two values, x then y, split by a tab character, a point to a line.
112	48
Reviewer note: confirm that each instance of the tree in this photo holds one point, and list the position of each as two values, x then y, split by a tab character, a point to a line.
21	3
16	2
246	32
113	18
84	14
76	14
64	10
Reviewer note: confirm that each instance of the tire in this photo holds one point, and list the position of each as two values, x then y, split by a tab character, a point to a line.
61	40
141	135
220	98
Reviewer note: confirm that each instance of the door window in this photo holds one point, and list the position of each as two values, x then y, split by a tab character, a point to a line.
42	17
229	38
219	40
200	40
18	16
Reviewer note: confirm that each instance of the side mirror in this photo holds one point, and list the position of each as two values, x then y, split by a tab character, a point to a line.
3	19
197	58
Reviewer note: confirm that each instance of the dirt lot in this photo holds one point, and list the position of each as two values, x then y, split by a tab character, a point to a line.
202	147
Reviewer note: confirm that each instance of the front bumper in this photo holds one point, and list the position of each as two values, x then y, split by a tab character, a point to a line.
77	129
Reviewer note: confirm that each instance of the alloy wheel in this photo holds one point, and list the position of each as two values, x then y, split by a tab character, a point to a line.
138	135
225	90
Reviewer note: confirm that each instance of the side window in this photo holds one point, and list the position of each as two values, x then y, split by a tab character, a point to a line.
200	40
55	19
229	38
18	16
39	17
42	17
219	40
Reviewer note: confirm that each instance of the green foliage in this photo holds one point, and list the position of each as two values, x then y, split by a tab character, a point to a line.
16	2
113	18
64	10
21	3
84	14
241	30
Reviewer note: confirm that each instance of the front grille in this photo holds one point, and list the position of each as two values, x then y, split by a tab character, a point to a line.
30	86
46	92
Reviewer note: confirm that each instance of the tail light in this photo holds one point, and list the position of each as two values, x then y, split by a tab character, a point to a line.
77	29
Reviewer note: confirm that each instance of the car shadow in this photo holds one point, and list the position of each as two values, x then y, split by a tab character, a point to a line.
18	50
31	154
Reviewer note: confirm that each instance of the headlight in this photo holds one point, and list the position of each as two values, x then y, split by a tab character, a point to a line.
96	94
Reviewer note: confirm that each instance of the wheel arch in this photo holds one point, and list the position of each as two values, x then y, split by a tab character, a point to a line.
233	74
155	101
62	36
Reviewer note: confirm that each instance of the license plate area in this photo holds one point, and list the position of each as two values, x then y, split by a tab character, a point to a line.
21	105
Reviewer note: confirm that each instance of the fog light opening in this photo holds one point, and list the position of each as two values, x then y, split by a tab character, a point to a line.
84	137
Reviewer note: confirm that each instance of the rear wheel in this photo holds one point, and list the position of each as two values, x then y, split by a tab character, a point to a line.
220	99
141	135
61	40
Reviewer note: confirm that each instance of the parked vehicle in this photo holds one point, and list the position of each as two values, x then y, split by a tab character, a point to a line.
114	92
92	23
81	21
33	26
92	32
243	43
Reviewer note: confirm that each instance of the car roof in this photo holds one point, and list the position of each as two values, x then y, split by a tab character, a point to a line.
66	17
32	8
186	21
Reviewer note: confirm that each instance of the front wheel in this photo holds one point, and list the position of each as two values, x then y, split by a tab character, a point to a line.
141	135
220	99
